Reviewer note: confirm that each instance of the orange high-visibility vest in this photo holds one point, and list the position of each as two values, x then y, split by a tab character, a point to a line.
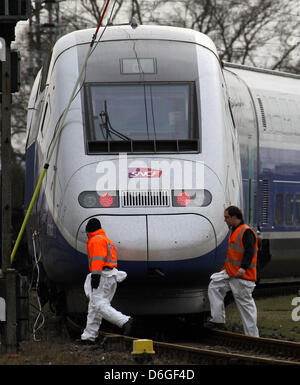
101	251
236	251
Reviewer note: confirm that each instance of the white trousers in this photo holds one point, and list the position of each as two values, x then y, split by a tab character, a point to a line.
242	293
100	307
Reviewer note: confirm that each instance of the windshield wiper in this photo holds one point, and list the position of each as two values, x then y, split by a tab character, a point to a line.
105	123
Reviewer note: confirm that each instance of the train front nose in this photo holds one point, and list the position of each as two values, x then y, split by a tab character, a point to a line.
153	240
180	246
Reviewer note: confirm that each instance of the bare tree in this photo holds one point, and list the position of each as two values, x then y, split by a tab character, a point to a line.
87	13
244	32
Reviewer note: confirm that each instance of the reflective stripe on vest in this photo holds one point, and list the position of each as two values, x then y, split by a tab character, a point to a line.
104	259
239	263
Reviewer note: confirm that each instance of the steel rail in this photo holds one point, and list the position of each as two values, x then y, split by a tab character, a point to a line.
194	355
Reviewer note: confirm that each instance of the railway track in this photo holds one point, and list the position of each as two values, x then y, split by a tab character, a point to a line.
216	348
279	350
180	343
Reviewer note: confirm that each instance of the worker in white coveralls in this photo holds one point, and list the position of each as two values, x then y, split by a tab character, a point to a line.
101	283
238	275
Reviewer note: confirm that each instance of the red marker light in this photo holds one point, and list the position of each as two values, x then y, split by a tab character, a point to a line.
191	198
183	199
93	199
106	200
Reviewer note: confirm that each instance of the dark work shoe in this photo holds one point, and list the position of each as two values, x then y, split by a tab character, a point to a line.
214	325
126	328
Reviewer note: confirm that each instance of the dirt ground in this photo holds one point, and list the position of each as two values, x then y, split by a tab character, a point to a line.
53	346
56	344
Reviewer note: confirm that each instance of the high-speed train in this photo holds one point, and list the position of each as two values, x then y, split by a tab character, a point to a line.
160	138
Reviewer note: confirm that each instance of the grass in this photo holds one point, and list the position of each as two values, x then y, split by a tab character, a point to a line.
274	317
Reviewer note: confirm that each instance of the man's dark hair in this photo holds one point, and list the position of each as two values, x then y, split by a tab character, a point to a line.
93	225
234	211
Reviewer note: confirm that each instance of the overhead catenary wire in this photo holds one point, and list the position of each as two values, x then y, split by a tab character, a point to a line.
50	153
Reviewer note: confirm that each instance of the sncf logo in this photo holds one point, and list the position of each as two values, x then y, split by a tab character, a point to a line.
143	173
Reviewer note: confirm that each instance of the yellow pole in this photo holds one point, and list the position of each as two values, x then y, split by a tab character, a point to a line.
36	191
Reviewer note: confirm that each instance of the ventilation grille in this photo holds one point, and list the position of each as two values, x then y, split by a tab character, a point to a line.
145	198
262	111
265	202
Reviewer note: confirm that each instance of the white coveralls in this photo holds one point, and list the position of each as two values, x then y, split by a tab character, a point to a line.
242	290
99	303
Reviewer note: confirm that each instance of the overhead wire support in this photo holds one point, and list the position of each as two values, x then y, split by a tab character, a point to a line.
66	111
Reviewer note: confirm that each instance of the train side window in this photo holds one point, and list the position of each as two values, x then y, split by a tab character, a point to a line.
297	209
289	203
279	209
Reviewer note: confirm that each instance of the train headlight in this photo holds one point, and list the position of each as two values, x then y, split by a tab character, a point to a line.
191	198
92	199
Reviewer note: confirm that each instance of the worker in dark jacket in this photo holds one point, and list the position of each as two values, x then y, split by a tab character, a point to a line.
238	274
101	283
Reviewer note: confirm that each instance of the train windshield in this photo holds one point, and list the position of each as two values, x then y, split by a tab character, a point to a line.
141	117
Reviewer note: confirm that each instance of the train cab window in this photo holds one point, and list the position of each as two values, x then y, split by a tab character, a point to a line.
279	209
141	118
289	203
298	209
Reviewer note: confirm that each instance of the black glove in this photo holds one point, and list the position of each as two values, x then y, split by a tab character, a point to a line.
95	279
